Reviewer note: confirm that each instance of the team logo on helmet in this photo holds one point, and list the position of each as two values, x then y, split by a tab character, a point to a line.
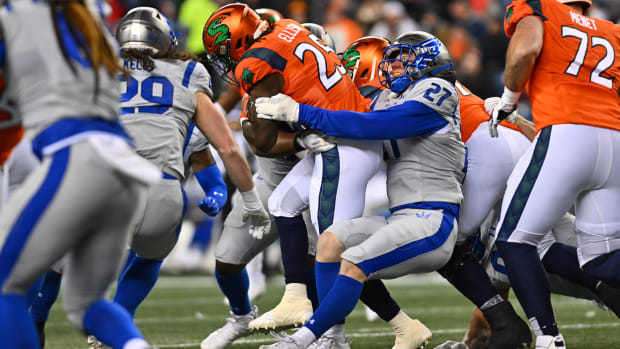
508	15
351	56
216	27
247	76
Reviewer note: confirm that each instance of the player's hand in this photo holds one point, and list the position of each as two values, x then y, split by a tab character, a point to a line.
213	203
254	213
279	107
501	109
314	141
259	221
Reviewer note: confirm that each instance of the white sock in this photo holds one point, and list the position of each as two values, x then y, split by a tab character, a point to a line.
136	343
304	336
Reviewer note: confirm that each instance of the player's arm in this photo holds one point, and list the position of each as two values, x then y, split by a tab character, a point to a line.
408	119
213	125
523	50
210	180
263	135
527	127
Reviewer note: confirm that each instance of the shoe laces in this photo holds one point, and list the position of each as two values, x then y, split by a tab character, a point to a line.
328	342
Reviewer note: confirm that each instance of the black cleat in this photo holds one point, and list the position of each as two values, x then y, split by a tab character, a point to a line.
508	330
610	296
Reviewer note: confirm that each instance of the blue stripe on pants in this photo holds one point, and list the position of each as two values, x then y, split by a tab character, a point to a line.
412	249
31	213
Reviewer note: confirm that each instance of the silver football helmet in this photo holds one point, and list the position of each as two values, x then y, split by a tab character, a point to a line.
321	33
145	28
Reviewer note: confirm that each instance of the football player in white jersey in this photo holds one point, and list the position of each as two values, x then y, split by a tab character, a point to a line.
62	76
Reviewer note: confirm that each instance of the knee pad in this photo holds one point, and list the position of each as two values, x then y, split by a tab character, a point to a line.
461	255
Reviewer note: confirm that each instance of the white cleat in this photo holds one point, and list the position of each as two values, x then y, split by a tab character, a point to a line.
293	311
236	327
550	342
329	342
93	343
284	343
452	345
410	333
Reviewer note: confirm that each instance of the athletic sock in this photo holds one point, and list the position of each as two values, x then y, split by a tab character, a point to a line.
16	327
33	290
529	281
235	288
40	308
136	283
378	299
110	324
338	303
202	234
326	274
294	248
311	288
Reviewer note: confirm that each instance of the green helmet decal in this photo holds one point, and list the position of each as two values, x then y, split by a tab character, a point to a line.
215	28
351	56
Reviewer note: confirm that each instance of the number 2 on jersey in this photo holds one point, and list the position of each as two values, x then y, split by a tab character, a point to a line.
328	81
161	101
432	93
605	63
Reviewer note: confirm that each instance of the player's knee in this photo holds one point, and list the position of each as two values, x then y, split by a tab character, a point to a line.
455	263
329	248
353	271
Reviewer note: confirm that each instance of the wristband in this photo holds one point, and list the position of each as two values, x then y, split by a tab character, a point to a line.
510	97
251	200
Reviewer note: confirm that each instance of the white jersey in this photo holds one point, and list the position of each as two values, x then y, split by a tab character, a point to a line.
41	82
157	107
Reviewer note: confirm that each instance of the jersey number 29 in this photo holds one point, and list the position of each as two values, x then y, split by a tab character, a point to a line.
162	99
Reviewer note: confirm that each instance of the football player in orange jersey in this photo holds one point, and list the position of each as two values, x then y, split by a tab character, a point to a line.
284	57
566	61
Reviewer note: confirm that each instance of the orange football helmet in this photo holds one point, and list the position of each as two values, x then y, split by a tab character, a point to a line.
362	57
270	15
586	3
228	34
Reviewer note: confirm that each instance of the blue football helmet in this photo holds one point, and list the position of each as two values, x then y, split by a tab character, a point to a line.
421	54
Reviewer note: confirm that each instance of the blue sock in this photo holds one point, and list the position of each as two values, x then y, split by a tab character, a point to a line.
311	288
376	297
338	303
130	256
294	248
16	327
34	289
606	268
530	284
326	274
235	288
110	323
40	308
562	260
136	282
202	234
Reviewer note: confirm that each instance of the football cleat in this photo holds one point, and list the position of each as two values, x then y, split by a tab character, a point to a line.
236	327
284	343
93	343
329	342
452	345
413	336
550	342
508	330
293	311
610	297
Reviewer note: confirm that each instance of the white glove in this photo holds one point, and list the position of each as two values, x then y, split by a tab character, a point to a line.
314	141
254	213
452	345
502	109
279	107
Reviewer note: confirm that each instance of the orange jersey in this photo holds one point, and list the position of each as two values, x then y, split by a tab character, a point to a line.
312	74
577	74
473	112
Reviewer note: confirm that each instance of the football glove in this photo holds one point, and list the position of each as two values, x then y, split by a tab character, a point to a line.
254	213
501	109
213	203
279	107
314	141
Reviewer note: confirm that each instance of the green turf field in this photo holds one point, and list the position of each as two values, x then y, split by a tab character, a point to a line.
181	311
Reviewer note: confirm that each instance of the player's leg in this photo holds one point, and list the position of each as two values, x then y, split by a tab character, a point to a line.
538	194
234	249
287	203
154	238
